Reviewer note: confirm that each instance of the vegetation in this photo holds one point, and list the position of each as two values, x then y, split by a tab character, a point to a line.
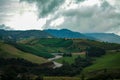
95	52
33	50
108	61
54	45
21	35
67	59
26	68
22	61
61	78
106	66
8	51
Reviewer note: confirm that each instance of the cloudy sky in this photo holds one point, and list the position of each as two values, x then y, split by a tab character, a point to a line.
77	15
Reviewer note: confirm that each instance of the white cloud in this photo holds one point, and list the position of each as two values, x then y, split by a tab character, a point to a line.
57	22
26	18
82	16
90	3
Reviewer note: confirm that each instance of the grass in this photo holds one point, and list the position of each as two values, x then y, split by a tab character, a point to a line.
108	61
61	78
8	51
44	46
69	60
55	42
33	50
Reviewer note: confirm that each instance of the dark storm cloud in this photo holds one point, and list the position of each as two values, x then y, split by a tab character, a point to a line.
45	7
94	18
80	0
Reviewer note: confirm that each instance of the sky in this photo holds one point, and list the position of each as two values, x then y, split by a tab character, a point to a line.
85	16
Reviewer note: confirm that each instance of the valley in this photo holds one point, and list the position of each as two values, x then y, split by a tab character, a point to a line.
59	58
59	39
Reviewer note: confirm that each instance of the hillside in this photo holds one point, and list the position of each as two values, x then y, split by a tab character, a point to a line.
33	49
108	64
54	45
19	35
108	61
106	37
65	33
14	35
8	51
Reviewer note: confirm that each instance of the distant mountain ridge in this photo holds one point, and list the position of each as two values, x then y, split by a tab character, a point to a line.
106	37
53	33
65	33
18	35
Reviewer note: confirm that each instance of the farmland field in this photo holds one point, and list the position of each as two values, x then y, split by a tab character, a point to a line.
61	78
12	52
108	61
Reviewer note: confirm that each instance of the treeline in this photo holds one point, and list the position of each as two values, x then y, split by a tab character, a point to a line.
17	69
30	49
20	69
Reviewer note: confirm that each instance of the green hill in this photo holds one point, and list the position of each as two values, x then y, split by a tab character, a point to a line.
16	35
108	61
43	47
107	65
51	45
8	51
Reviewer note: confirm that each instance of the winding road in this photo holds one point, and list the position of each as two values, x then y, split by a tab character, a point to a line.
57	65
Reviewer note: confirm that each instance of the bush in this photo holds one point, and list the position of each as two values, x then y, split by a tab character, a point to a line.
95	52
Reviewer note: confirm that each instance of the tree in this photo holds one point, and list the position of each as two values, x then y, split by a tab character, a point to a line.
39	78
95	52
9	74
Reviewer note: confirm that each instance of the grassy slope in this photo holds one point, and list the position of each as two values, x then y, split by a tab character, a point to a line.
108	61
43	47
61	78
63	45
33	50
69	60
9	51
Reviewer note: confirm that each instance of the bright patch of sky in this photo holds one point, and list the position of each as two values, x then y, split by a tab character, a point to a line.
57	22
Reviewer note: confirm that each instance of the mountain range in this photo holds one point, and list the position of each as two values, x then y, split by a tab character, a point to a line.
53	33
104	37
19	35
25	48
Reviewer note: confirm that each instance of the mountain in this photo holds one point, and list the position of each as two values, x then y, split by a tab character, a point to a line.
4	27
18	35
65	33
15	35
54	45
9	51
106	37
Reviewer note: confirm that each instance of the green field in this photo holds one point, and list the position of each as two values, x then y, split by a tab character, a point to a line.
69	60
61	78
36	50
39	51
53	45
8	51
108	61
43	47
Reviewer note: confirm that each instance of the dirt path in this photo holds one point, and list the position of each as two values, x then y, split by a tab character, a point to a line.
56	63
56	57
